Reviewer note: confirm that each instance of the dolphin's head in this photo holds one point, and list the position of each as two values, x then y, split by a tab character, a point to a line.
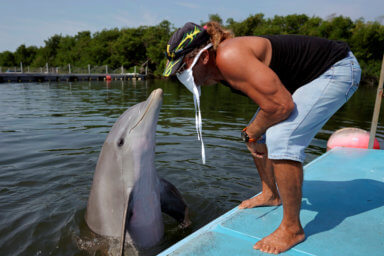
132	137
136	128
128	150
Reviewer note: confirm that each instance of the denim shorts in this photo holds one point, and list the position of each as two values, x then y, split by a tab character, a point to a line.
315	103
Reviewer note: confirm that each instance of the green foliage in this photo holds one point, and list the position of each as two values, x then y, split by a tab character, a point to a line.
130	47
367	43
7	59
25	54
247	27
215	17
338	28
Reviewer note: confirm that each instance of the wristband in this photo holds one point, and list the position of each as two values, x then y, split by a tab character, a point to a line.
245	137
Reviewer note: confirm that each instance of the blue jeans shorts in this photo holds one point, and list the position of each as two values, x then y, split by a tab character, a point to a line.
315	103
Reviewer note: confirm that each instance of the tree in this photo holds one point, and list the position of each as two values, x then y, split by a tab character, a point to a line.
50	49
248	26
367	43
7	59
337	28
215	17
25	54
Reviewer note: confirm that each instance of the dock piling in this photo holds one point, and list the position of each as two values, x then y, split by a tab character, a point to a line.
376	111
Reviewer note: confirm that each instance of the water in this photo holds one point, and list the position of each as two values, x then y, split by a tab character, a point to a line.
51	135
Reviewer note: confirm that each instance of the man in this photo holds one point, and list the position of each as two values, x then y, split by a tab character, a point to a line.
299	82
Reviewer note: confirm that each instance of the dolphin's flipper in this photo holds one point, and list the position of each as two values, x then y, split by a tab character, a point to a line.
172	203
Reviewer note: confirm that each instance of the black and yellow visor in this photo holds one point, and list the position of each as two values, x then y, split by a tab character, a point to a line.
183	41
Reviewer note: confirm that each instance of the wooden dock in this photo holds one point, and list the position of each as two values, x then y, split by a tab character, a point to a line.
342	213
18	77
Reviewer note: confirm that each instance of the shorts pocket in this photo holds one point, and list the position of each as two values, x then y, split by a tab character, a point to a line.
355	75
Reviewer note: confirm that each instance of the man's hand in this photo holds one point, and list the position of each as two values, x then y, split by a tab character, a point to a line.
256	149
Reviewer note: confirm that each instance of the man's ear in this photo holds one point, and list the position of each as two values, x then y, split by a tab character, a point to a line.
205	57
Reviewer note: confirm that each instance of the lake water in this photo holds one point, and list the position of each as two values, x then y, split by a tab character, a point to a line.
51	136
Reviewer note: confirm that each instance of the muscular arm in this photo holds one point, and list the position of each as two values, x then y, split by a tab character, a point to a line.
245	72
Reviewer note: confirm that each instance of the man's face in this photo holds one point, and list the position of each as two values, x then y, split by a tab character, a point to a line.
200	70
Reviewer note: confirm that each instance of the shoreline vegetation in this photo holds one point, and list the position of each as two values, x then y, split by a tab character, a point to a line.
145	45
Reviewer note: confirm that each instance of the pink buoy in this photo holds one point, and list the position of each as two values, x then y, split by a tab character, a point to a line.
108	77
350	138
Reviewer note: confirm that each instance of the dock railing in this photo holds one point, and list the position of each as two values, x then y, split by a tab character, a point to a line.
68	73
70	69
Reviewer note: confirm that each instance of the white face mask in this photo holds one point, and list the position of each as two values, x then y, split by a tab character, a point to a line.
186	78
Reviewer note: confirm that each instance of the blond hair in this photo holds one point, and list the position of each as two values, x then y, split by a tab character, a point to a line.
217	34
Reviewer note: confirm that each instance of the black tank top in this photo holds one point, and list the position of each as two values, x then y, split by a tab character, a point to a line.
297	60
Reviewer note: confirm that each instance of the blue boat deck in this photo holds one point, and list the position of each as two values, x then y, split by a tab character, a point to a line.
342	213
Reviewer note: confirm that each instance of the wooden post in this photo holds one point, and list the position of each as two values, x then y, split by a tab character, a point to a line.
69	68
89	69
21	67
46	66
134	70
122	70
375	117
146	70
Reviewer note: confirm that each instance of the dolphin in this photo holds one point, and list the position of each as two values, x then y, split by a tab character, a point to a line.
127	196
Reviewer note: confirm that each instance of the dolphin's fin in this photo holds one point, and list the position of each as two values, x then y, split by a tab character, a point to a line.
172	203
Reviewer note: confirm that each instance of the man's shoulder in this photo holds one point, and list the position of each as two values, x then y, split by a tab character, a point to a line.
233	50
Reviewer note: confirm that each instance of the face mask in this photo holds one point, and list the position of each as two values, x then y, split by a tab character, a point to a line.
186	78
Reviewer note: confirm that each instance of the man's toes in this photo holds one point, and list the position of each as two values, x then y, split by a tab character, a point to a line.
258	245
265	248
243	205
275	251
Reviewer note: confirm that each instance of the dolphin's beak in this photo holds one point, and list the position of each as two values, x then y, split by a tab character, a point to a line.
154	102
152	108
156	96
158	93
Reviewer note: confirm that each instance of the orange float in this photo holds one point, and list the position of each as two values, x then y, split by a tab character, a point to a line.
351	138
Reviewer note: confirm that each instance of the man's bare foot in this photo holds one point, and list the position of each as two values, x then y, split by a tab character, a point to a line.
280	240
260	200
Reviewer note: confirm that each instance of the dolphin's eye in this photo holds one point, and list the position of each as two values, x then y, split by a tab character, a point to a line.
121	142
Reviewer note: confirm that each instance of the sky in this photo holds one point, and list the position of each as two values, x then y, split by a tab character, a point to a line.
31	22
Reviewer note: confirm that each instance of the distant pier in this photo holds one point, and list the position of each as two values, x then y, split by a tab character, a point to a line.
18	77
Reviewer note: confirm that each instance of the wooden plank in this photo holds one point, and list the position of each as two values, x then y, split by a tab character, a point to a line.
375	117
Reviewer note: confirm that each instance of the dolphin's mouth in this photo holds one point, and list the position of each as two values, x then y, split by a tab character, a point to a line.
155	97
